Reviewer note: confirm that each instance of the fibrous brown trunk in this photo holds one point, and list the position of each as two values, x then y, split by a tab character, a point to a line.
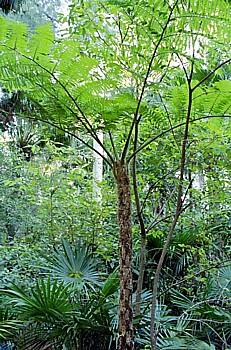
124	218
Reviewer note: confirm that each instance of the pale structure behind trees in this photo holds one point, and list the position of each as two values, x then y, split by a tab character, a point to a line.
98	168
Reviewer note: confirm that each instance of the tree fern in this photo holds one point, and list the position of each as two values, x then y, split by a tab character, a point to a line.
60	79
132	44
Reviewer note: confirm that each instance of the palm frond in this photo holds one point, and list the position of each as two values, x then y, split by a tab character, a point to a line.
74	266
220	284
184	343
47	301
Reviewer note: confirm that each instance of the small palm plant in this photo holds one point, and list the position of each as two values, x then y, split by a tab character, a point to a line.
41	313
71	309
74	266
47	300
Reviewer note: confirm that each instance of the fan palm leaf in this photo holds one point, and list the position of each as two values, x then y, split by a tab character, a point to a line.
74	266
47	301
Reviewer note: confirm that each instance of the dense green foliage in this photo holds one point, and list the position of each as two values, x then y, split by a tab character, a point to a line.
58	243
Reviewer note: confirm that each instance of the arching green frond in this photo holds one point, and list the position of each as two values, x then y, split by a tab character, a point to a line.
42	40
186	343
47	300
8	325
13	34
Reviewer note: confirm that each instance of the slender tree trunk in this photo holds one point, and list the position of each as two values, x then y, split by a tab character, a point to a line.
124	218
142	226
141	274
179	206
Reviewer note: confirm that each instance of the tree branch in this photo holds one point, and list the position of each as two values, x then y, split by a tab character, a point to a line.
67	132
113	145
152	186
142	227
154	138
85	122
210	74
169	120
126	146
221	264
178	210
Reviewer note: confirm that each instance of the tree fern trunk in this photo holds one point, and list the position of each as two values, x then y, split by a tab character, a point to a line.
124	218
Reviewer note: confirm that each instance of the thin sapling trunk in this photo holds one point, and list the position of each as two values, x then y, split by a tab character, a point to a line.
178	212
